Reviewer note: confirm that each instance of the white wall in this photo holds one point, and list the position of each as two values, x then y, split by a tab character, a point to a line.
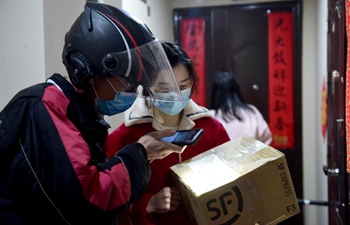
309	102
21	46
58	18
314	69
159	19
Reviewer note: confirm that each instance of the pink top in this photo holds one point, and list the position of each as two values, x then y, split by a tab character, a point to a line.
253	125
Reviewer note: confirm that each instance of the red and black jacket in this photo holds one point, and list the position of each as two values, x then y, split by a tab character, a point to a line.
53	168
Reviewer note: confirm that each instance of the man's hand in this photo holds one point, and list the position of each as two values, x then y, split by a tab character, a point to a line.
166	200
157	148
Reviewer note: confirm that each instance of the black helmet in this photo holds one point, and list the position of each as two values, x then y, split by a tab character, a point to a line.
105	41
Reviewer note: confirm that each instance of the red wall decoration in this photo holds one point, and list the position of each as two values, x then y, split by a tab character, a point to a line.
193	42
280	75
324	109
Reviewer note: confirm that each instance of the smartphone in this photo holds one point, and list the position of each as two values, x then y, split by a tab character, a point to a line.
185	137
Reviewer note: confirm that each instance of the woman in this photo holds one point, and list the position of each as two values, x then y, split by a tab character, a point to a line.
160	203
230	108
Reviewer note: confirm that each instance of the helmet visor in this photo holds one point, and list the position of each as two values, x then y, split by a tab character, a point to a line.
148	66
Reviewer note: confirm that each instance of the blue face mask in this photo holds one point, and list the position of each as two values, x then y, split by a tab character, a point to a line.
121	102
172	108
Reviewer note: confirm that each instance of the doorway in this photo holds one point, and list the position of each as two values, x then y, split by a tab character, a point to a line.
236	38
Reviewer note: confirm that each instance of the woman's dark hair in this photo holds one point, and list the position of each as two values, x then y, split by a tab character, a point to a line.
176	56
226	96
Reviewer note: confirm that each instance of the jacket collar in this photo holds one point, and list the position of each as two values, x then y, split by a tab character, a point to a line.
83	110
84	116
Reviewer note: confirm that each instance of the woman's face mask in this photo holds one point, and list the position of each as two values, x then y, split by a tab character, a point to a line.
172	108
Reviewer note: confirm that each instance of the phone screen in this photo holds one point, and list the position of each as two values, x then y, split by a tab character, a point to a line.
185	137
188	135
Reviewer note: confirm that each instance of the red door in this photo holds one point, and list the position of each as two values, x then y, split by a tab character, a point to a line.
338	178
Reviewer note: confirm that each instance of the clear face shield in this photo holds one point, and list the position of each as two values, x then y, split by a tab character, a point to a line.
148	68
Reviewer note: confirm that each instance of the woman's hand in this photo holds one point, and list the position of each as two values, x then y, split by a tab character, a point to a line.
166	200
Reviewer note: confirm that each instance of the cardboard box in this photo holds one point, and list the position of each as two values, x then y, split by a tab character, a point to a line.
241	182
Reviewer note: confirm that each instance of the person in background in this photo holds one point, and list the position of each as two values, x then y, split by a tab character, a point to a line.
229	107
53	168
160	204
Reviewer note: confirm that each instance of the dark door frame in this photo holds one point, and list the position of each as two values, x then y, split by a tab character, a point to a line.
338	178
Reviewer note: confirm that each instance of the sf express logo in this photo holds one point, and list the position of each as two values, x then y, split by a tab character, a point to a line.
227	204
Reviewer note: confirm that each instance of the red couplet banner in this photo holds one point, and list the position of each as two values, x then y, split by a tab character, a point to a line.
347	88
280	75
193	42
324	109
